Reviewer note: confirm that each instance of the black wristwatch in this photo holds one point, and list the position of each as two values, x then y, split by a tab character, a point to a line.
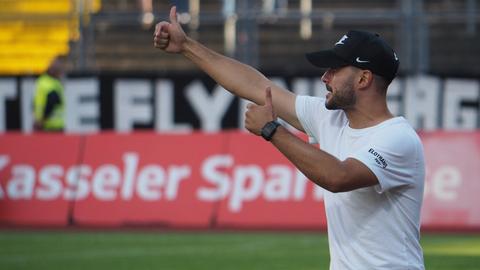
269	129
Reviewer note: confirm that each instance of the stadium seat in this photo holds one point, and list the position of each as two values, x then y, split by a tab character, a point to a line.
32	32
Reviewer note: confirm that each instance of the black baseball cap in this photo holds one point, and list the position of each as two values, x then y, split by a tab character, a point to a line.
360	49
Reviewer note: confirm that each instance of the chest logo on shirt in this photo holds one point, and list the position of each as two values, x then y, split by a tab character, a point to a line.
378	158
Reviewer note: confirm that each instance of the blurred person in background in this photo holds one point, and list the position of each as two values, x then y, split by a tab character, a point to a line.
148	16
49	108
147	13
370	163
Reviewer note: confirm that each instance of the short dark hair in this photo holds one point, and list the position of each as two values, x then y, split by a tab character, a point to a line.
381	82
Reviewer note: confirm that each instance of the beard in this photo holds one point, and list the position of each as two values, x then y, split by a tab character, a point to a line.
341	99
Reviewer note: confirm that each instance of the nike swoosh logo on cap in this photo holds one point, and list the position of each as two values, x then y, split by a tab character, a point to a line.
361	61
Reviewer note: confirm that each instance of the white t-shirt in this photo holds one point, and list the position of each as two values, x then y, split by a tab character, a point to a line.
375	227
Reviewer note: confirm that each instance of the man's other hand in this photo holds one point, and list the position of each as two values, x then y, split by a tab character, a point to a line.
258	115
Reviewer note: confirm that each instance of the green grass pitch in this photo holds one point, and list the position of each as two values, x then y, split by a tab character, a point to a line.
138	250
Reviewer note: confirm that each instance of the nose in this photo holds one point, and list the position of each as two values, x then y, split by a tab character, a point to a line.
324	77
327	76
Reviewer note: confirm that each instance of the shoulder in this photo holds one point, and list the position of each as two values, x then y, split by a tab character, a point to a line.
308	101
397	134
315	107
312	111
44	81
306	107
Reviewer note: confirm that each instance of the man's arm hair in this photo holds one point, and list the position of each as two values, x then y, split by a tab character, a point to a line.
242	80
322	168
238	78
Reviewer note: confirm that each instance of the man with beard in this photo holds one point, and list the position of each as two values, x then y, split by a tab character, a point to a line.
370	162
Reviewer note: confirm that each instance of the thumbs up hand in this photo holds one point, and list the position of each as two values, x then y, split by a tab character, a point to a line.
258	115
169	36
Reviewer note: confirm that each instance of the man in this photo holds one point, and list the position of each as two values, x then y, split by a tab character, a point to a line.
48	99
370	162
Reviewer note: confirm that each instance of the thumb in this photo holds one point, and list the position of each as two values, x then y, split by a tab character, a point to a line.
173	14
268	97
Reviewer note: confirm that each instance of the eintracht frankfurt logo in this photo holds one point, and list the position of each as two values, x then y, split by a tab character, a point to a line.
340	42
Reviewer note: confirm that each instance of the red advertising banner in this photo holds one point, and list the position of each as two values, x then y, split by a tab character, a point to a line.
36	178
217	180
453	180
146	178
266	190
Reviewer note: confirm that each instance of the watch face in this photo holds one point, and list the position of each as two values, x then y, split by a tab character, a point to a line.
269	129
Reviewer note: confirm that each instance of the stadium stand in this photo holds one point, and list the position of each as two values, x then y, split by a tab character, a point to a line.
33	32
119	33
125	37
276	39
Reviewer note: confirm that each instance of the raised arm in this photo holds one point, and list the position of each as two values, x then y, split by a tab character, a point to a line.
238	78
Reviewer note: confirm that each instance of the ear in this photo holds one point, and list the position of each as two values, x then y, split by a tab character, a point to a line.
365	79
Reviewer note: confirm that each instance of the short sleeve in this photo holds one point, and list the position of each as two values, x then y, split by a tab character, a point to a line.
394	157
307	110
